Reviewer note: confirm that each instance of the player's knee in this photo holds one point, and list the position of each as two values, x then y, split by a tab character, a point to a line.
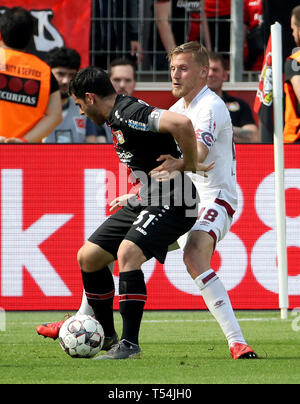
89	260
188	261
83	259
126	254
130	256
195	262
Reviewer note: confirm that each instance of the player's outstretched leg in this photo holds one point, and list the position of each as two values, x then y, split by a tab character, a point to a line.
197	256
99	286
98	295
218	303
51	330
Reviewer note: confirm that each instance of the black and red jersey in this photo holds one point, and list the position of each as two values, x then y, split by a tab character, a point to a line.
136	142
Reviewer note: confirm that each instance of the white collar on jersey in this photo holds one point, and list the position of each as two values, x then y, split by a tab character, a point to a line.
199	95
194	100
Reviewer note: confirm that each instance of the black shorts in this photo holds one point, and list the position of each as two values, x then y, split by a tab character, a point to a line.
151	228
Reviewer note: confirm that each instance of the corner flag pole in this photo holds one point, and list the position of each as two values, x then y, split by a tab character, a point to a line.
276	34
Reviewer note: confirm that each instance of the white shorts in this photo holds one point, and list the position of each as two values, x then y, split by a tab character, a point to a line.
215	218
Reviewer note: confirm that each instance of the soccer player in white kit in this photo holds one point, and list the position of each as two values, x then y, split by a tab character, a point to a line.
189	65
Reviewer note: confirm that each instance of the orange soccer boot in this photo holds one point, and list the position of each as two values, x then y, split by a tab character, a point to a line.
50	330
242	351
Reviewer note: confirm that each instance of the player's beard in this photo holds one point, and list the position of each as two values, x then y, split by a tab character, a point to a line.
94	116
177	92
181	91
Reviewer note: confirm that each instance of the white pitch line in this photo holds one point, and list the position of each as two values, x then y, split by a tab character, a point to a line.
182	320
209	320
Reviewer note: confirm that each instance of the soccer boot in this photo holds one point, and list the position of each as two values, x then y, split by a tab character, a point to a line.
122	350
51	330
109	342
242	351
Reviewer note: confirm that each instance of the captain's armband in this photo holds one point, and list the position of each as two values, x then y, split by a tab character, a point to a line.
154	119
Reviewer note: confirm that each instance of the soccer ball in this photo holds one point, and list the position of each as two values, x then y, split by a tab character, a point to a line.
81	336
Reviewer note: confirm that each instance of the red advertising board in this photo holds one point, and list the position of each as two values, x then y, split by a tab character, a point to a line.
53	196
59	23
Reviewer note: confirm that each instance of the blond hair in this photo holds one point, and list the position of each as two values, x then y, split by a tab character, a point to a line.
199	52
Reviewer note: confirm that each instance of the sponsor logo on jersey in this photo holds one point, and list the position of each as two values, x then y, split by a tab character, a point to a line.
125	157
189	5
211	121
138	125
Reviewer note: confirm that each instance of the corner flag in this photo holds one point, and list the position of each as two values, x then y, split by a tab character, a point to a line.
263	104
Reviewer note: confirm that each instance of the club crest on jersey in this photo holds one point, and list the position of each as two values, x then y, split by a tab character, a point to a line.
119	136
206	137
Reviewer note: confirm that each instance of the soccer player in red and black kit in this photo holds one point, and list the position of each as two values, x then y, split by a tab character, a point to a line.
141	230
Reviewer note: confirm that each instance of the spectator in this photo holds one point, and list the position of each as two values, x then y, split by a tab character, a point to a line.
217	35
217	15
123	77
254	43
64	63
122	74
173	26
171	30
279	11
115	38
292	85
27	112
244	127
164	26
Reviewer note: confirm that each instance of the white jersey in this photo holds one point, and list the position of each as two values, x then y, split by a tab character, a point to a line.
213	127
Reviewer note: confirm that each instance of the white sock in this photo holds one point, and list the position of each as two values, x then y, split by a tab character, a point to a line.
85	308
217	300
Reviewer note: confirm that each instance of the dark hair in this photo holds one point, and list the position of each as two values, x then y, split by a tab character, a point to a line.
16	27
63	57
217	57
91	80
122	62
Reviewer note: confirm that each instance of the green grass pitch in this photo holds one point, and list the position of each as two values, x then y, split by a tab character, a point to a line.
180	347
